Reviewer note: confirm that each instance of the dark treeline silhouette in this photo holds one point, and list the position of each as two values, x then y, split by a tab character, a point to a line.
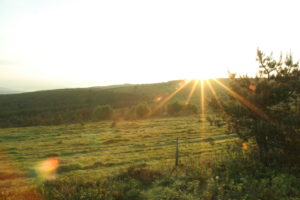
93	104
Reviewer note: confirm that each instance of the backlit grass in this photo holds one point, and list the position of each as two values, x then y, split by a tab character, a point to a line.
96	149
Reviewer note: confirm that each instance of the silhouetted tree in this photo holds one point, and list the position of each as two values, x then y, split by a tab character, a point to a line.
265	109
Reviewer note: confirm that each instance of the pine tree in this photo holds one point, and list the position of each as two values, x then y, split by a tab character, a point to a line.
265	109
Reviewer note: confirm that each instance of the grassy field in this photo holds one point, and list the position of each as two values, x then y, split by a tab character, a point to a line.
96	149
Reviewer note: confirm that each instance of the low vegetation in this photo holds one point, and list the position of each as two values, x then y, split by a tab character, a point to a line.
98	150
135	160
235	176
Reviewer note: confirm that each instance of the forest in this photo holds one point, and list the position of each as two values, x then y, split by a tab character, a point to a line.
66	106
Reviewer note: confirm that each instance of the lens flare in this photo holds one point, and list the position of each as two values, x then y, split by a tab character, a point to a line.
157	99
244	146
252	87
47	168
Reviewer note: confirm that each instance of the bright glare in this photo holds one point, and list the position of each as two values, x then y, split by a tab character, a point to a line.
110	42
47	168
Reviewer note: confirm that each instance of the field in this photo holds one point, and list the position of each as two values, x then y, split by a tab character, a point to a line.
96	150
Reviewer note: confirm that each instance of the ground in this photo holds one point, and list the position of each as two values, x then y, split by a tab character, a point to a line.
95	150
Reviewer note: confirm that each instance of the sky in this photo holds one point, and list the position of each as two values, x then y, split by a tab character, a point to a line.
80	43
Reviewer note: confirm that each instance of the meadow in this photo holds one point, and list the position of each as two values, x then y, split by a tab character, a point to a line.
136	160
96	150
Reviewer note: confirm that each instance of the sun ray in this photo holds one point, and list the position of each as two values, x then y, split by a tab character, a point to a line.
192	91
244	101
213	91
202	103
164	101
203	128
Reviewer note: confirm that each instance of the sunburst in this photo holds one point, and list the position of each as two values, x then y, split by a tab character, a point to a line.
247	103
214	93
168	98
202	104
202	99
192	91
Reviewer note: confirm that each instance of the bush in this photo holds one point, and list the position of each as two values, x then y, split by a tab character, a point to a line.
142	110
190	109
73	188
143	175
82	115
103	112
174	108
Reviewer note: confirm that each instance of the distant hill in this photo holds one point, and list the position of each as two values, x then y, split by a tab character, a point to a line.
28	108
8	91
112	86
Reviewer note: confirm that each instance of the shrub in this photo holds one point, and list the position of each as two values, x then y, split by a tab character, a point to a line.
142	110
174	108
103	112
190	109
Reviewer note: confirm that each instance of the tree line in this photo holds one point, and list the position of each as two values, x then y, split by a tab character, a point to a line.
94	113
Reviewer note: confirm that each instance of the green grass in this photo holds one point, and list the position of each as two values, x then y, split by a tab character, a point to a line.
96	150
135	160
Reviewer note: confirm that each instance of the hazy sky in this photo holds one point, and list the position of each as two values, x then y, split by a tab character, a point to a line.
53	43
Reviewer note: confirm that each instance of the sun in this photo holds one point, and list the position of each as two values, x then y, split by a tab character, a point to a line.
203	75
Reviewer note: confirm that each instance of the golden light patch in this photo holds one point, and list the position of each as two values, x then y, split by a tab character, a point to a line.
157	99
252	87
244	146
47	168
